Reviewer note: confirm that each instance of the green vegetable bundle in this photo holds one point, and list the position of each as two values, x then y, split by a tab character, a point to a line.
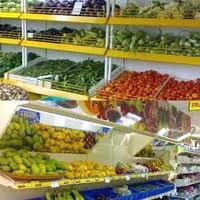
176	9
94	38
68	75
64	195
9	61
10	5
141	41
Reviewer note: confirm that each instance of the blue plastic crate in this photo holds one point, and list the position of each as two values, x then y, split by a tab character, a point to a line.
108	192
38	198
162	187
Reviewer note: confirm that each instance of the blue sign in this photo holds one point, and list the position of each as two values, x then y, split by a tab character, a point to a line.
31	116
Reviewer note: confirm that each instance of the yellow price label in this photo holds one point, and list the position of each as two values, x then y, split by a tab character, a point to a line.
19	186
77	181
116	178
97	180
88	180
194	106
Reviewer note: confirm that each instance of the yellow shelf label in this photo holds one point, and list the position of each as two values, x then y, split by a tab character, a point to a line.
9	15
194	106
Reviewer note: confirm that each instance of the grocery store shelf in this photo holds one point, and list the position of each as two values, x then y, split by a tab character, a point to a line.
48	92
9	41
39	184
192	183
187	198
64	47
62	18
190	153
155	22
161	195
155	57
9	15
189	163
192	172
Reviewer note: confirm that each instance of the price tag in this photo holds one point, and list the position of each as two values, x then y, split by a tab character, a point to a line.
77	8
87	180
127	177
54	184
107	180
77	181
65	183
142	175
37	185
47	84
30	35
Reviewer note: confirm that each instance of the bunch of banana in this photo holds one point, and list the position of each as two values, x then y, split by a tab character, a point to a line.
64	195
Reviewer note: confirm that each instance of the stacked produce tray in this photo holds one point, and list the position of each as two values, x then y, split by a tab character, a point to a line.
107	91
10	34
185	13
149	85
81	78
70	11
163	47
66	39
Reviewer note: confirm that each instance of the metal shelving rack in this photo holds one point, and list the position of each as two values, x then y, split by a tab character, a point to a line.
108	53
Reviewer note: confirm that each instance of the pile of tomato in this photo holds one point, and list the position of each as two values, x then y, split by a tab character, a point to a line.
149	85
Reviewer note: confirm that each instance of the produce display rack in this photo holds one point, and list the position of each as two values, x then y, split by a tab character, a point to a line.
71	19
46	111
71	182
183	182
109	20
46	91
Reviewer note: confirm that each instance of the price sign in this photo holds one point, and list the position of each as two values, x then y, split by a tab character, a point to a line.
127	177
142	175
77	8
77	181
54	184
40	83
30	35
107	180
47	84
194	106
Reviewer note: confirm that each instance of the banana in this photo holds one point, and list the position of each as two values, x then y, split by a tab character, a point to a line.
48	196
77	195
